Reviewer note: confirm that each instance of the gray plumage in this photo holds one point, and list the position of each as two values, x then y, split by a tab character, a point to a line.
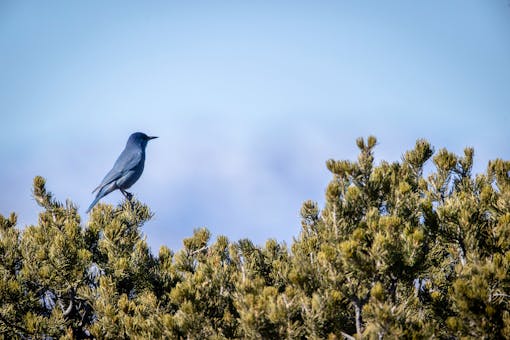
127	169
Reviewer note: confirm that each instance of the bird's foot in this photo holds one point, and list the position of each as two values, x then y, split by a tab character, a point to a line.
128	195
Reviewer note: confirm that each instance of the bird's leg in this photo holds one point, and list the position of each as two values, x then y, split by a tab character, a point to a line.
128	195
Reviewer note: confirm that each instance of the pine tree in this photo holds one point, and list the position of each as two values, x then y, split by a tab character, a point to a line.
393	253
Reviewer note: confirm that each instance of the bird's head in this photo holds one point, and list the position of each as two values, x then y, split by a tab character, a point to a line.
140	139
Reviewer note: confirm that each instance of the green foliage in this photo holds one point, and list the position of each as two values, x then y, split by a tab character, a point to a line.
393	253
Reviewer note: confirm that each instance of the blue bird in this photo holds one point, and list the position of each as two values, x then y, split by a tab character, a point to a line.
127	169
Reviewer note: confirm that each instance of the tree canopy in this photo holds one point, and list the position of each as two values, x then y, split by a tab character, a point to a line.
394	252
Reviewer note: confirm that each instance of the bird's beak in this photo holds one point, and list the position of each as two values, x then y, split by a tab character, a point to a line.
154	137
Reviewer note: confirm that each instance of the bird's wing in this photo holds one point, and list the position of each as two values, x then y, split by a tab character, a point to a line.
127	160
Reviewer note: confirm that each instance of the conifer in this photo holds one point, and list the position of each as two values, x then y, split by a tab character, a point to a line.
394	252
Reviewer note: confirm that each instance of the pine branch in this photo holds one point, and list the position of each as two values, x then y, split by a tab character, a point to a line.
347	336
21	331
199	250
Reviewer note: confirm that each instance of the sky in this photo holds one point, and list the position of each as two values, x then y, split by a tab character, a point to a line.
248	98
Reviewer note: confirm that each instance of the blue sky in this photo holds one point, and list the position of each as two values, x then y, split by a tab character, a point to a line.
249	99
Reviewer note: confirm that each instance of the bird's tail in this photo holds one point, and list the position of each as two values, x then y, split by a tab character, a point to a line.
105	190
94	202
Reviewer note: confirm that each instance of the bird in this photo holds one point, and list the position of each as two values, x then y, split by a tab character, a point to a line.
127	169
